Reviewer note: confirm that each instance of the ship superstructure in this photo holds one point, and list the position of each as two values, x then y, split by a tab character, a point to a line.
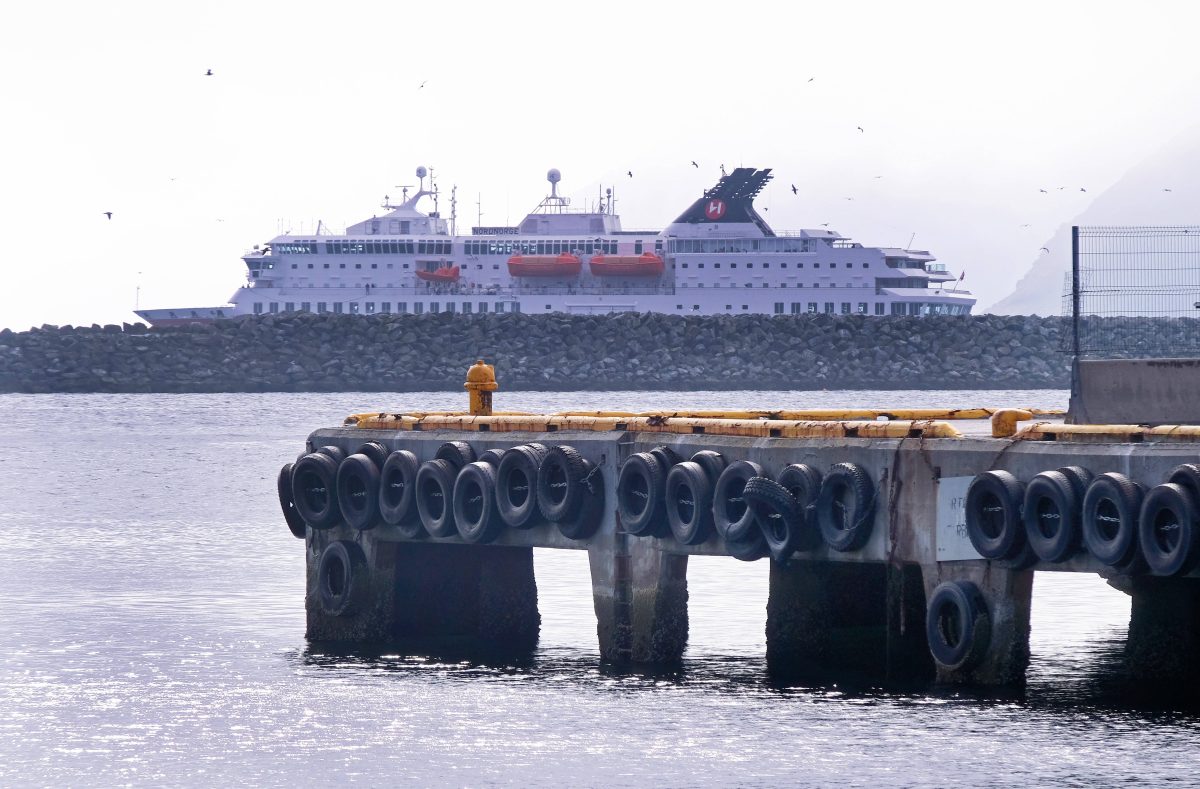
718	257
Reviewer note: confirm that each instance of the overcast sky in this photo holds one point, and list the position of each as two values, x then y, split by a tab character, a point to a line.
314	111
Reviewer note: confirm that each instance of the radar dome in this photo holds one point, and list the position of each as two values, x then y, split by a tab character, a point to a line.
553	176
422	172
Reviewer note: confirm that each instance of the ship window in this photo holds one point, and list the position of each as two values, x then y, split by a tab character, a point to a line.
394	226
358	265
326	265
374	265
779	308
516	306
482	306
547	306
320	306
354	307
341	265
306	306
866	265
434	306
290	306
716	265
495	267
418	307
816	265
449	306
310	265
745	306
389	265
370	308
699	265
466	308
733	265
405	267
799	265
812	306
637	247
258	308
816	284
749	265
499	306
862	308
405	227
783	265
685	265
728	306
879	308
294	266
421	248
337	306
479	266
796	307
678	306
385	307
695	306
829	307
402	306
274	306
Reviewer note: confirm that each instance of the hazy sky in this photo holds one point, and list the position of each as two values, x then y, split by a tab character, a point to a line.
314	112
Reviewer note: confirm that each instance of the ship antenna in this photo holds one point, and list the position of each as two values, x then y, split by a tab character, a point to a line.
453	209
479	207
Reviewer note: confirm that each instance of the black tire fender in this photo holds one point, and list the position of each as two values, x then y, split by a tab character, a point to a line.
732	519
456	453
958	626
667	457
342	579
804	483
1110	518
560	484
434	494
591	513
845	508
641	501
688	499
492	457
336	454
1167	530
1051	516
397	494
314	490
474	503
712	462
283	486
358	491
1187	476
779	516
376	451
516	488
1079	477
993	515
748	549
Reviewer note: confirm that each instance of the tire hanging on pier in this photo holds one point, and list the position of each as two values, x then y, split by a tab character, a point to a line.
474	503
845	507
587	520
492	457
667	457
516	486
314	490
804	483
283	485
358	491
958	626
336	454
1051	514
342	579
641	500
688	499
397	494
1167	530
560	489
435	489
993	515
456	453
732	519
713	463
1110	519
376	451
779	516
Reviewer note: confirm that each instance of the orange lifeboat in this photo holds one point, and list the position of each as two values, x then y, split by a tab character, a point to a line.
564	265
441	274
646	264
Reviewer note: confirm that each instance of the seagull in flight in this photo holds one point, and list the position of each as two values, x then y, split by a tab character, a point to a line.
422	84
849	198
861	129
1045	249
629	173
108	214
208	73
824	224
694	164
810	79
1166	189
1082	189
1026	225
1043	191
876	178
794	189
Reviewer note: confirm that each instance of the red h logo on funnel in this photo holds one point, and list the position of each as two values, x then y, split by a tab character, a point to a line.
715	209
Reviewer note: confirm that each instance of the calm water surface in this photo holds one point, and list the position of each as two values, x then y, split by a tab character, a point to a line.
153	622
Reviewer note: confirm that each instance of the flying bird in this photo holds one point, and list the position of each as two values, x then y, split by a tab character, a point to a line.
208	73
794	189
422	84
824	224
1166	190
694	163
876	178
810	79
629	173
861	129
1025	225
849	198
1045	249
108	214
1043	191
1082	189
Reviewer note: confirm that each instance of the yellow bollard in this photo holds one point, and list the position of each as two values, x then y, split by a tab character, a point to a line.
481	382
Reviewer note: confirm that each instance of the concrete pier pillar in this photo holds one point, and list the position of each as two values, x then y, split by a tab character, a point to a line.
1008	595
436	595
1164	630
825	617
640	596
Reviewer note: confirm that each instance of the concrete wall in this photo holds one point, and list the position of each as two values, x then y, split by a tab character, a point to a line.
1137	392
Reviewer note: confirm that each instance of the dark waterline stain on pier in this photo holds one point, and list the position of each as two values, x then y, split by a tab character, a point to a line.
153	620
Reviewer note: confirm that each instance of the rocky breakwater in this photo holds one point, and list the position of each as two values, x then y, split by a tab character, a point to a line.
304	352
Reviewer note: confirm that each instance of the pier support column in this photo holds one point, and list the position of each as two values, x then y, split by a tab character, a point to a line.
434	595
1008	594
640	596
1164	630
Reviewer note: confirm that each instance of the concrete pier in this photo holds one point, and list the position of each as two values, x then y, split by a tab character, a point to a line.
865	609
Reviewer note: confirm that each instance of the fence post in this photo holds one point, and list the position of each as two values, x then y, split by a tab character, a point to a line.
1075	311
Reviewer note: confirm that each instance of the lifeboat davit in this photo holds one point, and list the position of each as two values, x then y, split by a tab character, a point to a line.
646	264
564	265
442	274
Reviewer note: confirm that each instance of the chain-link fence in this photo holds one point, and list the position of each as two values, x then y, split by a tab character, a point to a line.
1133	292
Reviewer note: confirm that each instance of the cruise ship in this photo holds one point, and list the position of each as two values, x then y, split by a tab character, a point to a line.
718	257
